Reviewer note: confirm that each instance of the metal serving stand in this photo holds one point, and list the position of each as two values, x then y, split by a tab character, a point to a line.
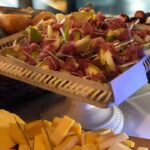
91	103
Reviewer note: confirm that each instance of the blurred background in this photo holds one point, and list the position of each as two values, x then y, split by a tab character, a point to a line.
106	6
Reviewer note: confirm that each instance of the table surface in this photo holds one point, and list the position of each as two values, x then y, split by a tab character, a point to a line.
141	142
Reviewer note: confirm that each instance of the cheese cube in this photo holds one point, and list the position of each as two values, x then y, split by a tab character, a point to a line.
76	148
39	142
56	121
16	133
18	119
105	137
24	147
46	138
6	141
61	131
91	138
76	128
82	138
68	143
104	131
129	143
108	143
119	146
34	128
89	147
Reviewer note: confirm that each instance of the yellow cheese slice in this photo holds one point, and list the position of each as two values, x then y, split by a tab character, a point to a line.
108	143
119	146
5	140
129	143
61	131
91	138
56	121
39	142
105	137
76	148
82	138
89	147
76	128
8	117
16	133
34	128
46	138
18	119
105	131
68	143
26	146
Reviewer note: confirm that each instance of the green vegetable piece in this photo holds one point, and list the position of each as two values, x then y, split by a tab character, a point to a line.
147	46
110	36
35	34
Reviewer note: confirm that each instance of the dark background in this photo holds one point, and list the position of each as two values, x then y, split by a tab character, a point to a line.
107	6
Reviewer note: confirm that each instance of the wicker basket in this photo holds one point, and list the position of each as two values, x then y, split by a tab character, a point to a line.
76	88
87	91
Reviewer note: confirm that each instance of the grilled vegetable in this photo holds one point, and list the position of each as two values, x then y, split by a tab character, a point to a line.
35	34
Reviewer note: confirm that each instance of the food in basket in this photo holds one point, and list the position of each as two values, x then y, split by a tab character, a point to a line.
12	23
58	134
86	44
15	22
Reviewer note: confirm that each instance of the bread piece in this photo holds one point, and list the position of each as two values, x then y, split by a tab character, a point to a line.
12	23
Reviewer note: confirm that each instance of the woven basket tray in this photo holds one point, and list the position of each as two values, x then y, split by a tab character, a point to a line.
91	92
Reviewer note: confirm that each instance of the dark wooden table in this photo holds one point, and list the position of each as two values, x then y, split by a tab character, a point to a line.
141	142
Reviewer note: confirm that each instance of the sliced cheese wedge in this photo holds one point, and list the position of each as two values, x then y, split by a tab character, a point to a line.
108	143
39	142
46	138
68	143
16	133
6	141
119	146
61	131
76	148
34	128
91	137
89	147
24	147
